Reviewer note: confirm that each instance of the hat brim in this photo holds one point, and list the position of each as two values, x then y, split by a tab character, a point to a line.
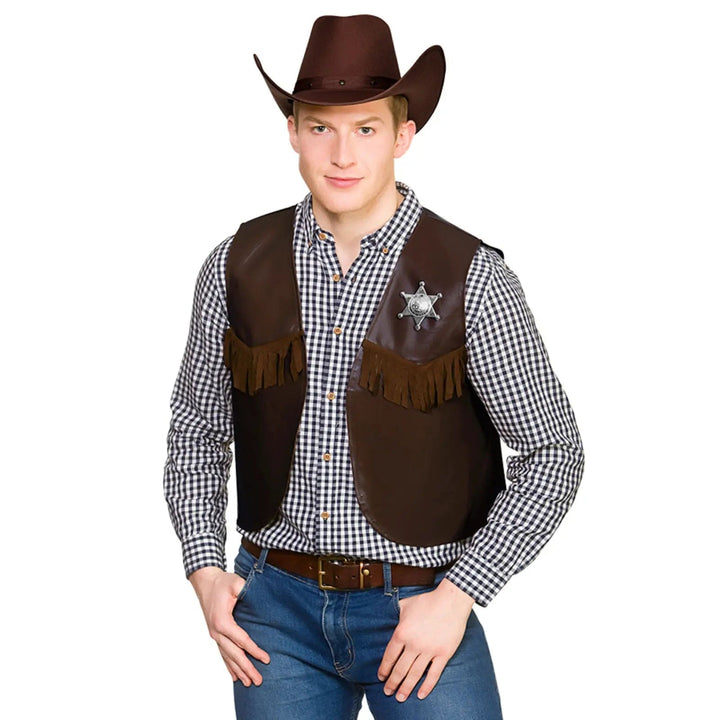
421	85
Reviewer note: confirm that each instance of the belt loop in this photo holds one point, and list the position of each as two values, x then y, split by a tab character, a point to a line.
260	562
387	577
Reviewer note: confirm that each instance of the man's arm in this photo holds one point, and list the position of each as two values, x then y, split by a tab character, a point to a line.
509	369
199	455
198	465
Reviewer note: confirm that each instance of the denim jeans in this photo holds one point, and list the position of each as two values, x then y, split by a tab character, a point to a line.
325	649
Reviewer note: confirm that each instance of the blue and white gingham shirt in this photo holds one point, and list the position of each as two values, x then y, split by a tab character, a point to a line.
507	366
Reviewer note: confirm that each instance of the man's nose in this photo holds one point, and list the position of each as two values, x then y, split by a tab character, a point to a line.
342	152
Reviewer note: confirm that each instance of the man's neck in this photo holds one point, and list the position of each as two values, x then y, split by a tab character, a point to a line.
348	229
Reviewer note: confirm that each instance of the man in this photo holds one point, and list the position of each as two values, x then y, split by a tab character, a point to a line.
365	356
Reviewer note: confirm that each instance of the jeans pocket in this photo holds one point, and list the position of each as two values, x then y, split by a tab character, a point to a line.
406	591
244	590
245	568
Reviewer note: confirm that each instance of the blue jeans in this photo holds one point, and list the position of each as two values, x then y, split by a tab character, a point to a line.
325	649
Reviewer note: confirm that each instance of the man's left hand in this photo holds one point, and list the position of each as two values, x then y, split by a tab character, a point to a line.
430	629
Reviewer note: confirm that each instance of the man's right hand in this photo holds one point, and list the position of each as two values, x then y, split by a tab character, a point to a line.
217	591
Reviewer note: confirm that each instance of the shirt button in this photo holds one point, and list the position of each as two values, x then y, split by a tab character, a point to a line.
385	251
331	396
322	236
324	514
337	330
326	457
336	277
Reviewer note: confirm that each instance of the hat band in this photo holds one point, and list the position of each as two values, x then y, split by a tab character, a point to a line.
348	82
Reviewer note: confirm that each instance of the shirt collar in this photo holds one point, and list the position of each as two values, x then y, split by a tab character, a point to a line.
393	231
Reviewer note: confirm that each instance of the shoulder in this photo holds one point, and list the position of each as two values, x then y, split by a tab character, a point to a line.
485	260
486	269
212	271
259	243
457	233
493	290
261	235
215	261
486	263
211	278
278	219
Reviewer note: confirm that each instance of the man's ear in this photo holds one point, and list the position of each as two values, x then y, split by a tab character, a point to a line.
405	135
292	133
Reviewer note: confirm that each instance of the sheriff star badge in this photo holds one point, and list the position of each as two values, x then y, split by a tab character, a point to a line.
420	305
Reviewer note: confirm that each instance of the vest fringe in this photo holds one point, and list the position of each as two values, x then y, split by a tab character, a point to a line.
262	366
422	386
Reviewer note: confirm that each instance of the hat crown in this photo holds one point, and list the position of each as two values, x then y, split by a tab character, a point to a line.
359	45
351	60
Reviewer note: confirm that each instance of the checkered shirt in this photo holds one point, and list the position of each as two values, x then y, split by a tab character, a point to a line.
507	366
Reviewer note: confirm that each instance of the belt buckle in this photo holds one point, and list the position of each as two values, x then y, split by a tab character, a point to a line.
339	560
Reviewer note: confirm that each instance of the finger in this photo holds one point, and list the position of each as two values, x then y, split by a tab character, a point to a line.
392	652
238	636
399	672
432	677
237	655
235	672
413	676
249	645
233	675
233	591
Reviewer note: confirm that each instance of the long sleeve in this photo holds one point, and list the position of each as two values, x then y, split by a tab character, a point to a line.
509	368
199	455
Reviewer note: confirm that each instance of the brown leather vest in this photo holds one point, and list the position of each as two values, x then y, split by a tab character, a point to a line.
426	458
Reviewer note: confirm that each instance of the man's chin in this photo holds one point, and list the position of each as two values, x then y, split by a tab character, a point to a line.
338	205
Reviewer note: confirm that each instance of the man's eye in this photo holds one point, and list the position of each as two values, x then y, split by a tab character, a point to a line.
365	130
319	129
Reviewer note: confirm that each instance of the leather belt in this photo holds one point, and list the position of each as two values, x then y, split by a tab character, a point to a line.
335	572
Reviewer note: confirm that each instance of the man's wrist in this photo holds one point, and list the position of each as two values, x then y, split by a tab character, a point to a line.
204	576
455	595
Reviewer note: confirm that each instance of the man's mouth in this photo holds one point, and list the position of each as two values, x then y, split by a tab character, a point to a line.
342	182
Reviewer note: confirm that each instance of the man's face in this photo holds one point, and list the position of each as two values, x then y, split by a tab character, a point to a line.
347	154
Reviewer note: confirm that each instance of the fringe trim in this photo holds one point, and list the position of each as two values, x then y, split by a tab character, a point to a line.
262	366
421	386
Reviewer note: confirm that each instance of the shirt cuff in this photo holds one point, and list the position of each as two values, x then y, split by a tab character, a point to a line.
477	578
203	551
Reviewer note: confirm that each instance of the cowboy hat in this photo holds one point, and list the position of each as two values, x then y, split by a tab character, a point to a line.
351	60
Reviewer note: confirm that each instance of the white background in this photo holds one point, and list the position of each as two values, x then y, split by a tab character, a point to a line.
580	137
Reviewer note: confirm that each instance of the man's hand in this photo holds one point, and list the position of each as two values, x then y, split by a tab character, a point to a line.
430	629
217	591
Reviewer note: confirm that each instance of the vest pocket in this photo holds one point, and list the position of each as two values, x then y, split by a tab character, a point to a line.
263	366
422	386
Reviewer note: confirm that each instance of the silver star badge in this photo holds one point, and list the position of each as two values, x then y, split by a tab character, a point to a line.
420	305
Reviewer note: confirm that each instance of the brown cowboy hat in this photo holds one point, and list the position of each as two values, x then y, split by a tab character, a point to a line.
351	60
